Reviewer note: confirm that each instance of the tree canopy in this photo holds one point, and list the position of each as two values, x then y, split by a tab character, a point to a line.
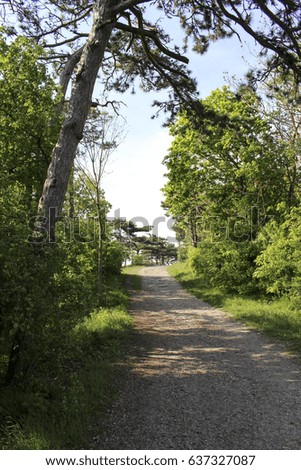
232	175
119	39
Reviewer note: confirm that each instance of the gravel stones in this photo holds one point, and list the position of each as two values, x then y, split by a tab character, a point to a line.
197	379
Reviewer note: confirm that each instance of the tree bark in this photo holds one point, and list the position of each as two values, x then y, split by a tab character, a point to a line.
101	216
56	183
71	195
100	261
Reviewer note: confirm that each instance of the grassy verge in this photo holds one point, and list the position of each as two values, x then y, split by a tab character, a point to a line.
132	277
276	317
56	410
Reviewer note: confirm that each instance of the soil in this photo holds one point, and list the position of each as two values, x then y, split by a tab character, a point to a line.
197	379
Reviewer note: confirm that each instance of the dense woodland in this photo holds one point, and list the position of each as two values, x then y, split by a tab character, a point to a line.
233	186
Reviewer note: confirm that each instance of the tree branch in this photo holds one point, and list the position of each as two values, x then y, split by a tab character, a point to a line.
66	41
152	35
65	25
259	37
126	4
68	70
152	59
274	18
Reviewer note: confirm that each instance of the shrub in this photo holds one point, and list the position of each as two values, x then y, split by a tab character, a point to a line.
226	264
279	264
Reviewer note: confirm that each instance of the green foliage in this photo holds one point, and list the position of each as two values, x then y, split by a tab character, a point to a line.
57	408
225	166
27	133
227	178
75	279
56	361
28	121
101	326
227	265
138	260
152	250
114	254
141	248
279	264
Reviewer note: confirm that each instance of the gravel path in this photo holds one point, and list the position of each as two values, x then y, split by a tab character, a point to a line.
199	380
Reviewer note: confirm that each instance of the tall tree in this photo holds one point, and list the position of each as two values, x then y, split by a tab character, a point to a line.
102	135
27	110
282	106
233	160
225	180
122	39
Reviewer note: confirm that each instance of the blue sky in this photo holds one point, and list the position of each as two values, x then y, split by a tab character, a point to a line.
136	174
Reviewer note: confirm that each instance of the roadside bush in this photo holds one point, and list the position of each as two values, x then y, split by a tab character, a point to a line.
279	264
138	260
55	407
225	264
114	254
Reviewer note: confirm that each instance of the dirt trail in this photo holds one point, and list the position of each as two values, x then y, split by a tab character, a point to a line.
199	380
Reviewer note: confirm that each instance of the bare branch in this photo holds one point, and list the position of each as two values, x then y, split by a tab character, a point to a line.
66	41
68	70
54	57
65	25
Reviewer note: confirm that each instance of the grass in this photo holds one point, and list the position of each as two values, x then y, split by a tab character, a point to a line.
59	410
131	274
278	318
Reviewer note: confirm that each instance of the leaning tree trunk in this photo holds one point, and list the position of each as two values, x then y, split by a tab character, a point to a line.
63	154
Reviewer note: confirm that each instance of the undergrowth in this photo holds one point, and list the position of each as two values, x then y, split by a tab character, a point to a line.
132	276
57	408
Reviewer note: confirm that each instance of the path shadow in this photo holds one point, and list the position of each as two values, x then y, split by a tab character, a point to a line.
200	380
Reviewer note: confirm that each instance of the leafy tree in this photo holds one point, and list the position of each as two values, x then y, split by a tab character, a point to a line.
153	250
225	180
226	166
27	116
282	107
142	247
161	251
125	231
27	134
278	267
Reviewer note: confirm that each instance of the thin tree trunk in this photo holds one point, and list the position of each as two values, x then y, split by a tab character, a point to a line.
101	232
193	232
71	195
100	267
63	154
14	358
